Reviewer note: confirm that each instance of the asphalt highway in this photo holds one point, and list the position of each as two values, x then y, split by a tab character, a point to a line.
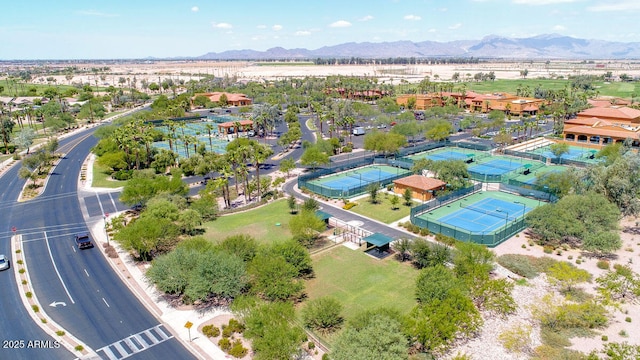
78	288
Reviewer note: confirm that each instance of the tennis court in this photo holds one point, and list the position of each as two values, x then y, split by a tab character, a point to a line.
351	182
496	166
488	217
200	131
576	153
449	154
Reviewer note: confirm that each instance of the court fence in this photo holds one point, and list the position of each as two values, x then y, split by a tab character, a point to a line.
545	159
488	238
304	181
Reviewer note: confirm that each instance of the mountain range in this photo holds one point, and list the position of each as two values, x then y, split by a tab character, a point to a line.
548	46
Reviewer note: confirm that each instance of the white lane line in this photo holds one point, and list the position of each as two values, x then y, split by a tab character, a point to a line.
100	203
141	340
115	209
131	345
106	303
85	271
56	268
121	350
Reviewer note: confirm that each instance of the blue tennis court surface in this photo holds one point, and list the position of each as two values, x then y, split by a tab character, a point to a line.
574	153
495	167
486	215
360	177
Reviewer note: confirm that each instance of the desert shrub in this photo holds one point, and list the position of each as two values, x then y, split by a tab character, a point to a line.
519	264
553	338
548	249
603	264
627	319
237	350
227	331
211	331
424	232
516	339
604	338
236	326
348	206
224	344
311	345
447	240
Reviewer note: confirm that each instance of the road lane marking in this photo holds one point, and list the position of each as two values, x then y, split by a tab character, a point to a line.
106	303
86	272
100	203
135	343
113	203
56	268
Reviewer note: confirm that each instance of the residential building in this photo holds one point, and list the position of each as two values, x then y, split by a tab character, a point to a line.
232	99
599	126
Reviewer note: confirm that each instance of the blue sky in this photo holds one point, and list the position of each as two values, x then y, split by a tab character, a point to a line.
99	29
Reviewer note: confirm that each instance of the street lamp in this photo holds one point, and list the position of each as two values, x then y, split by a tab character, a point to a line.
106	232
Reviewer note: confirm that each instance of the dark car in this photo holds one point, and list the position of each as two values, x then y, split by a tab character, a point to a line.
84	241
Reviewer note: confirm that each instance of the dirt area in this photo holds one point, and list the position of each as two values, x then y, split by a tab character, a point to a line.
487	345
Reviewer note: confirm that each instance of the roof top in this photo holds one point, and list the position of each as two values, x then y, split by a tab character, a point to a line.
618	112
378	239
420	182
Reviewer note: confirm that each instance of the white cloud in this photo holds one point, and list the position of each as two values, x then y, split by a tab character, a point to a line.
195	9
95	13
542	2
412	17
222	25
559	28
625	5
431	30
261	26
366	18
277	27
455	26
443	9
302	33
340	24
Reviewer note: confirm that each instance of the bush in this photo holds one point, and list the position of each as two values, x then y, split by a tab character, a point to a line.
236	326
35	308
603	264
311	345
224	344
227	331
60	333
519	264
122	174
548	249
627	319
424	232
348	206
605	338
237	350
210	331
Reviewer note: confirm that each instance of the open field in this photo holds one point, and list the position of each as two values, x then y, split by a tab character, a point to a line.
361	282
260	223
382	211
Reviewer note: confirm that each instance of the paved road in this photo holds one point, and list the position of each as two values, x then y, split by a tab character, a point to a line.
100	310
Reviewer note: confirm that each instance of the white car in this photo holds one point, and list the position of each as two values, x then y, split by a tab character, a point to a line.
4	263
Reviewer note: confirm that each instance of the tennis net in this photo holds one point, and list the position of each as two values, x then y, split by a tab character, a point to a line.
503	167
358	176
494	213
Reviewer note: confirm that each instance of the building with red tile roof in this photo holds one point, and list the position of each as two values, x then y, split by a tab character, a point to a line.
599	126
232	99
508	103
421	187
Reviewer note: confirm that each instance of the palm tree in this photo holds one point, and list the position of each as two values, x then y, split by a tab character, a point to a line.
259	153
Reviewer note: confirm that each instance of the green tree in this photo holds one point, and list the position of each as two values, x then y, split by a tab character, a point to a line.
323	314
293	205
273	278
559	149
243	246
375	334
408	197
286	165
6	128
372	189
394	201
436	283
313	157
426	254
402	247
270	328
621	284
306	227
296	255
24	138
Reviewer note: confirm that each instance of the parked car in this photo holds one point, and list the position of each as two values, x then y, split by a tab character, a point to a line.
4	263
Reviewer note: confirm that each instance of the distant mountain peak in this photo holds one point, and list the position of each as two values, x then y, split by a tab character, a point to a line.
543	46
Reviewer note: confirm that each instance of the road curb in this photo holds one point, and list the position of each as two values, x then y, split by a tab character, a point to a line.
40	317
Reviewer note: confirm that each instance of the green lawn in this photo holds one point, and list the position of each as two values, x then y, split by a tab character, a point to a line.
101	178
382	210
360	282
260	223
619	89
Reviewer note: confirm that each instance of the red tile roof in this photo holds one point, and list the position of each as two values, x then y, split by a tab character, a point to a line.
617	112
420	182
616	132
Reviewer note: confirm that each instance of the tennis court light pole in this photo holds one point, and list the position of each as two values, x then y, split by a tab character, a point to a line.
524	207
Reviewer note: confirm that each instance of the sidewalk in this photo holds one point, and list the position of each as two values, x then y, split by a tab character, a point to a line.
133	276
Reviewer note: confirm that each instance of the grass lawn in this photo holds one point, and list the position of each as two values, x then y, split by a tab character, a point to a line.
382	210
101	178
260	223
360	282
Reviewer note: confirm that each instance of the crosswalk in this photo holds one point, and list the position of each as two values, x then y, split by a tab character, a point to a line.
136	343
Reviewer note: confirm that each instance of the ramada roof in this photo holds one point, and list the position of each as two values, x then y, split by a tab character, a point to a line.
592	121
233	123
618	112
420	182
215	96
